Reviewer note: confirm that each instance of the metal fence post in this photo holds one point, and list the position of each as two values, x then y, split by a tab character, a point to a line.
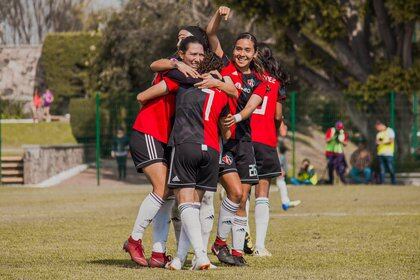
415	129
98	138
1	140
293	124
392	109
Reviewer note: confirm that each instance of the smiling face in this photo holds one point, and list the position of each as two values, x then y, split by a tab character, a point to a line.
193	55
243	54
182	34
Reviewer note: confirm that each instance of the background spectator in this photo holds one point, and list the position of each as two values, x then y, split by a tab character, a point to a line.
385	151
47	99
36	105
120	152
306	175
336	139
360	161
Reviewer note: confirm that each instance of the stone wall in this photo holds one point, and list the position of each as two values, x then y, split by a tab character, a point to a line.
18	67
43	162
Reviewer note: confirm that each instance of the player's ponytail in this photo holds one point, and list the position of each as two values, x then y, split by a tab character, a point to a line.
266	62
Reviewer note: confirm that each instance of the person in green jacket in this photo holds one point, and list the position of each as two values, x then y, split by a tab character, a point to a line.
306	175
120	152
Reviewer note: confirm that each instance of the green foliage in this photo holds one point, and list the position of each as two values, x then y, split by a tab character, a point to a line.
390	77
403	10
82	118
66	61
10	109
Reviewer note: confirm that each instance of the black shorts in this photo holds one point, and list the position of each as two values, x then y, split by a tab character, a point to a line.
194	166
268	163
238	156
146	150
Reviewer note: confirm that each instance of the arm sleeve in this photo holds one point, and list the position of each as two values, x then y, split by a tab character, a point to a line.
225	59
172	85
180	78
225	111
391	133
261	89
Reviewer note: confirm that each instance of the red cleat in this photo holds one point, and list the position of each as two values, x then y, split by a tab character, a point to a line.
135	249
159	260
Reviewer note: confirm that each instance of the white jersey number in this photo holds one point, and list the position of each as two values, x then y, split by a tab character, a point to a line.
209	103
261	110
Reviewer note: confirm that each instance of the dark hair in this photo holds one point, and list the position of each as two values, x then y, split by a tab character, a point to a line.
200	34
210	62
249	36
183	46
265	61
306	160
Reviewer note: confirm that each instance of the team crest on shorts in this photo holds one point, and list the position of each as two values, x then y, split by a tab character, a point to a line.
227	160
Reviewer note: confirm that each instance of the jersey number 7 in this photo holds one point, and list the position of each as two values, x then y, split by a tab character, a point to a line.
209	103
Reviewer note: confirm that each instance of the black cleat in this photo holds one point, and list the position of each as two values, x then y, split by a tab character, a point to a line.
223	254
248	246
239	261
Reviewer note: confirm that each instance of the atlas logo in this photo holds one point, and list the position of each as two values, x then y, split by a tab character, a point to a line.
227	159
251	82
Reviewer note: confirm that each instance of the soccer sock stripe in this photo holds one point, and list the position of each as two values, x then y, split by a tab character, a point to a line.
226	214
262	216
230	206
157	198
147	211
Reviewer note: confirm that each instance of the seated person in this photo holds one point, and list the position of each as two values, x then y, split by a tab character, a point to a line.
360	161
306	175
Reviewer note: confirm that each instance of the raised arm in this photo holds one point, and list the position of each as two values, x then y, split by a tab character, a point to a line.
253	102
152	92
165	64
213	27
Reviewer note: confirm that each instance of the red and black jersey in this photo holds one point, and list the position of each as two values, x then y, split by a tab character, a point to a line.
247	84
155	117
197	112
263	127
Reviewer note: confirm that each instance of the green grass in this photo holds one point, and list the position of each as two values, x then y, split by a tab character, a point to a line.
354	232
16	135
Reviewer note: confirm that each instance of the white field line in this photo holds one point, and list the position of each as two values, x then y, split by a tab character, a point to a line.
339	214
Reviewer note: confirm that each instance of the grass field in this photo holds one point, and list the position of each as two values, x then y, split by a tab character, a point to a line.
17	134
76	232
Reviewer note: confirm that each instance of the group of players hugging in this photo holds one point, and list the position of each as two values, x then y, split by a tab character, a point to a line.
207	119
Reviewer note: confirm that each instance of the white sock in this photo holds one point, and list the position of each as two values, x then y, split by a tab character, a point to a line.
148	209
226	214
281	184
190	217
206	217
238	232
247	214
262	216
176	221
161	226
183	245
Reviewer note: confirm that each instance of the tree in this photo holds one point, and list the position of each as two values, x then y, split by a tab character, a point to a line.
28	21
358	50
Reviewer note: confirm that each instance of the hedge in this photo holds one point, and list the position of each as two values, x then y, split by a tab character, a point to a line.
65	64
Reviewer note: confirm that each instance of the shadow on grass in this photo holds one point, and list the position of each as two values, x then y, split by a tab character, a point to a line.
126	263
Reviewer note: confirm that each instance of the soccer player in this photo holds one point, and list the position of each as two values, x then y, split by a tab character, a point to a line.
196	150
160	226
265	124
238	169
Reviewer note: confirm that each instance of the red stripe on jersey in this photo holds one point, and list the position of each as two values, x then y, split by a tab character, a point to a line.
213	106
155	117
263	127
